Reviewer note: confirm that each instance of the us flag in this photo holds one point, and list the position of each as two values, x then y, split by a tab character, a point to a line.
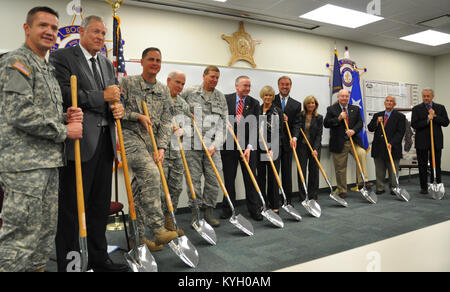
119	61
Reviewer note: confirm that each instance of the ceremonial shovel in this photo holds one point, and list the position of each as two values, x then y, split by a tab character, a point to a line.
332	194
79	184
286	207
437	191
200	225
368	195
311	206
237	220
401	193
269	214
181	245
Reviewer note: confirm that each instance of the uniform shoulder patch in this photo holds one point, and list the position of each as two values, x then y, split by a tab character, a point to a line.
22	68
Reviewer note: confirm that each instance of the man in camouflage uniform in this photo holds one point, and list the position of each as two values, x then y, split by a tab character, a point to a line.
173	165
31	146
138	145
210	111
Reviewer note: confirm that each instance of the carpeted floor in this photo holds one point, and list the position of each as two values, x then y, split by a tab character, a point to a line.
271	248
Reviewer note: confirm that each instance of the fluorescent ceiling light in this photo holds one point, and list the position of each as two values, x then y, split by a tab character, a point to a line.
220	0
428	37
341	16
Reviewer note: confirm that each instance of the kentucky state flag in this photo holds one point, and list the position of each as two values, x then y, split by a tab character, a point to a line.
337	78
356	99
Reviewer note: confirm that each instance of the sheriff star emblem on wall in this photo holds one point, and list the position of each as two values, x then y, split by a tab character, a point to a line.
242	46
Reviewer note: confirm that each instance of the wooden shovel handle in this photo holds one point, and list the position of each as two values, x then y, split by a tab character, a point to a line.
213	165
78	172
275	172
315	158
160	168
249	170
186	168
433	158
389	151
354	150
299	168
126	173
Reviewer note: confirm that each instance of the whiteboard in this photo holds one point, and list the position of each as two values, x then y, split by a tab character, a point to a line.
302	84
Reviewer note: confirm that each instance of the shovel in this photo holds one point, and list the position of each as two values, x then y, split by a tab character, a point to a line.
79	184
401	193
267	213
200	225
181	245
286	207
237	220
368	195
332	194
437	191
311	206
139	257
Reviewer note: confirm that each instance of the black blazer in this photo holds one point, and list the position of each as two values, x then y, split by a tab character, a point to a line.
395	131
419	121
271	126
71	61
315	131
251	107
293	110
337	128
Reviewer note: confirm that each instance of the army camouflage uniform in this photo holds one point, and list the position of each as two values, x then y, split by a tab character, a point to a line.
138	145
173	165
212	111
31	150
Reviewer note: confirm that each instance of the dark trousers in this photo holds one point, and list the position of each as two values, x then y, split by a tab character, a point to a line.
97	180
286	171
310	167
423	157
230	161
266	175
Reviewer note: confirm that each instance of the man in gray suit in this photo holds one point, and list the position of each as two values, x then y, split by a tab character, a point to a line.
97	91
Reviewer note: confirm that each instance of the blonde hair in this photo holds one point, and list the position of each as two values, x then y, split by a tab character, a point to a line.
266	90
307	101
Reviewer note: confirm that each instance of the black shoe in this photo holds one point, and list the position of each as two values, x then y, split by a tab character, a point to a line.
424	191
110	267
225	214
379	192
257	216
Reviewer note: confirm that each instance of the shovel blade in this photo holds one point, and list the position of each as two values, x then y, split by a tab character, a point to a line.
273	218
437	191
205	230
314	208
338	199
369	195
292	211
185	250
402	194
140	259
242	224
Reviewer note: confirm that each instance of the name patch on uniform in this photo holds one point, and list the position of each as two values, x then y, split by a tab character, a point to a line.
22	68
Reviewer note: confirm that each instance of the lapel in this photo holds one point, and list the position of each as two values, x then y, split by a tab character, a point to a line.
247	104
103	70
85	69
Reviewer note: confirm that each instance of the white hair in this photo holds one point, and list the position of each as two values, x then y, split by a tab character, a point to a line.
175	73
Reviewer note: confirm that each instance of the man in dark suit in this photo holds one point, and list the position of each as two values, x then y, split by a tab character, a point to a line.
245	110
422	114
96	91
291	110
395	127
340	144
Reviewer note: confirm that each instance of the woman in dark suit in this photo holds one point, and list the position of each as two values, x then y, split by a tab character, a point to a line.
312	124
272	129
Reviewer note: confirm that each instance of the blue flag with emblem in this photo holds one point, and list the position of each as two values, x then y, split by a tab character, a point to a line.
119	61
356	99
337	78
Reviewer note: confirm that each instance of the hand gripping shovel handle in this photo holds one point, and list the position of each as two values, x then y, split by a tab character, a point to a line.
249	170
389	151
78	174
160	168
299	168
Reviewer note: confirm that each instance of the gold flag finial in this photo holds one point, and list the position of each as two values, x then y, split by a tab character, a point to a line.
115	5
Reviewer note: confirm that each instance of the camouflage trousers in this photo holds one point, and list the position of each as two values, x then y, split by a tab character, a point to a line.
30	213
173	170
199	165
146	185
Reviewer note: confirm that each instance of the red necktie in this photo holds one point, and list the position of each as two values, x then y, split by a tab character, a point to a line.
239	110
346	117
386	117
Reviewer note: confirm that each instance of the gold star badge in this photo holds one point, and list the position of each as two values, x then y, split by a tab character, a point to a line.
242	46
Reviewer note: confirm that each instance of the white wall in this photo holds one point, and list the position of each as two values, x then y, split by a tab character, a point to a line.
194	39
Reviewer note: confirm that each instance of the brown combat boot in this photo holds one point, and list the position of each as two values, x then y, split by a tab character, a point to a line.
164	236
209	217
150	244
169	225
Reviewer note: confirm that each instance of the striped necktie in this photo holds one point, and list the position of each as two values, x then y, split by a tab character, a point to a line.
239	110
